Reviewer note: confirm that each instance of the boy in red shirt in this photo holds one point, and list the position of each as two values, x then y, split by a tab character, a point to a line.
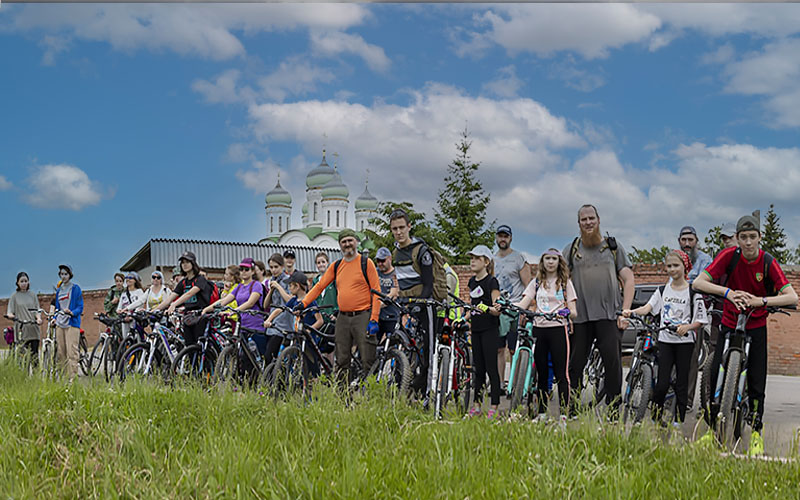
747	287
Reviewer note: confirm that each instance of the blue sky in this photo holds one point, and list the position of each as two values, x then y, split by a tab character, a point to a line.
127	122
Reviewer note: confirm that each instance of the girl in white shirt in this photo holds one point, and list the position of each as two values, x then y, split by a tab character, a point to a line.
153	297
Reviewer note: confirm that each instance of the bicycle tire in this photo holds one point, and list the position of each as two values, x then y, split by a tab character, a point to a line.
130	362
705	385
290	371
83	355
48	361
725	422
97	358
194	363
520	370
645	383
441	384
226	371
465	377
393	370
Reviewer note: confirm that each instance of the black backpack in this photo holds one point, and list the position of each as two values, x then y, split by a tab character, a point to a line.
611	242
363	269
769	286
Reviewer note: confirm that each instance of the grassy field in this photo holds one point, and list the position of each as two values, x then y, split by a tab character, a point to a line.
143	440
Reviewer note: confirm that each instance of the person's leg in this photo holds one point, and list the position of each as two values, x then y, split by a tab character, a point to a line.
580	343
32	346
73	338
683	362
273	346
366	346
61	347
540	355
608	344
344	344
491	339
666	360
757	375
479	362
559	353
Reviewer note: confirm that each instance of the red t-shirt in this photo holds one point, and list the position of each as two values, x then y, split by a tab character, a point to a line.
749	277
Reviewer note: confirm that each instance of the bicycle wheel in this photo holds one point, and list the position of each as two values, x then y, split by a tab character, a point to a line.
48	360
97	357
441	384
133	360
83	355
226	371
636	407
725	420
194	363
464	381
291	371
705	385
393	371
518	387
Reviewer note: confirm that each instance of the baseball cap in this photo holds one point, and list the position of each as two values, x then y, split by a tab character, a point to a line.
687	230
187	255
728	229
383	253
347	233
481	251
66	268
504	228
247	262
749	222
289	253
298	277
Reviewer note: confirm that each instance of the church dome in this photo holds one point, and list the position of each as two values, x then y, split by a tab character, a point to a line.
320	175
335	188
278	196
366	201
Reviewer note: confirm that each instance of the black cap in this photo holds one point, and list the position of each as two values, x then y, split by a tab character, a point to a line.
504	228
298	277
687	230
289	253
749	223
187	255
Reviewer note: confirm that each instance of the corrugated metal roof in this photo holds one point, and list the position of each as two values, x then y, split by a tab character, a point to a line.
219	254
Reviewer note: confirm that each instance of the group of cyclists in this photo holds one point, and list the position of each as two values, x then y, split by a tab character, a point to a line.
574	301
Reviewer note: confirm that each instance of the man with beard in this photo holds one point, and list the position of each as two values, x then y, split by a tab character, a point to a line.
597	266
687	239
513	275
359	309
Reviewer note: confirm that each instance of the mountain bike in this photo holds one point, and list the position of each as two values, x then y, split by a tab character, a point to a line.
391	364
155	355
104	354
592	383
730	407
643	374
198	361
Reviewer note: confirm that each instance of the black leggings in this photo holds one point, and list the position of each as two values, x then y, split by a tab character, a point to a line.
551	341
193	332
608	342
273	346
33	347
678	355
484	352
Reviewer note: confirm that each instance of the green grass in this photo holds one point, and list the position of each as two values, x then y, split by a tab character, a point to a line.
144	440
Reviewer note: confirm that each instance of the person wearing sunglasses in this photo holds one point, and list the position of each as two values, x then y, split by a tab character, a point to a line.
153	297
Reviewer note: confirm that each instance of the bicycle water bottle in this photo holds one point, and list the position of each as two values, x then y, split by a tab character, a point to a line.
254	349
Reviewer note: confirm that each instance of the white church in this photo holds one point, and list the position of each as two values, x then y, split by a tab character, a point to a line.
325	211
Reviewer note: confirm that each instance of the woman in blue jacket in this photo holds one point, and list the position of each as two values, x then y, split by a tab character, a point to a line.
69	307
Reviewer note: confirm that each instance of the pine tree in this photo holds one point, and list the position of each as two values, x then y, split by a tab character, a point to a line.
773	237
461	214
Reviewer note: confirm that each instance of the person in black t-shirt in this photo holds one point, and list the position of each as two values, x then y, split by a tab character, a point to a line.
484	290
193	292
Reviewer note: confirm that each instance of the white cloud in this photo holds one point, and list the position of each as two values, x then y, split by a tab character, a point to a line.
223	89
506	84
53	45
718	19
199	30
5	184
573	77
62	187
333	43
294	76
262	175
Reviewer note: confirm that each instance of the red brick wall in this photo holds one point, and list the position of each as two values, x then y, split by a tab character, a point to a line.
784	331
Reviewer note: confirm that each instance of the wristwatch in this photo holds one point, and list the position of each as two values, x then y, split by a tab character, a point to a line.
764	301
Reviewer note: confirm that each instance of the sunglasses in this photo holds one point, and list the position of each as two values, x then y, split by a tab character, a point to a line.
155	277
245	269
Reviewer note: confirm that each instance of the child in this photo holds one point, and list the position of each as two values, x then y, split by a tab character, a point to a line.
298	288
551	292
678	307
484	290
278	318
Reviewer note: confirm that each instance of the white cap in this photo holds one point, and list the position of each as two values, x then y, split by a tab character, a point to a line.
482	251
728	229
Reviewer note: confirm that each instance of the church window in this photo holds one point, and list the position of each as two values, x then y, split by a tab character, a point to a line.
280	224
337	218
329	217
315	212
271	224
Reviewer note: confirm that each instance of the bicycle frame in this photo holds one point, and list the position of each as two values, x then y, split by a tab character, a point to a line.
525	343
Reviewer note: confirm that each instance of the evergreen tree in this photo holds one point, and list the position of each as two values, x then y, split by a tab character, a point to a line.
420	227
713	241
461	214
773	237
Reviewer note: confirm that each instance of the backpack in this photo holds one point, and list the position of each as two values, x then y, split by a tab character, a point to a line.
769	286
611	242
439	273
214	292
363	269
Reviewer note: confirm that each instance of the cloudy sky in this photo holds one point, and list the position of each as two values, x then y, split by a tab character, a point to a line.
127	122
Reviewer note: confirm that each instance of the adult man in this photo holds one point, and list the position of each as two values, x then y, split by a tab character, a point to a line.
389	286
359	308
289	261
687	239
597	265
413	263
755	280
728	235
513	275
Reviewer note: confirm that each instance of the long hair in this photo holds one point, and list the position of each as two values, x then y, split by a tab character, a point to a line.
234	270
562	273
262	267
19	277
489	265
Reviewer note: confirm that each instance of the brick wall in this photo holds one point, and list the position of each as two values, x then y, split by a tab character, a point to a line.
784	331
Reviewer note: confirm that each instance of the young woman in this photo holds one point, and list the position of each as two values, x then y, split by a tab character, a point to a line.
283	319
23	306
193	293
245	295
112	297
153	297
231	278
328	296
551	291
484	290
132	293
678	307
69	303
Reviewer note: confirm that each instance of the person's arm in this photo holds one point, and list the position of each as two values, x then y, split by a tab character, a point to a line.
525	274
375	284
628	290
274	314
494	310
108	305
318	321
317	289
526	302
167	301
250	302
653	304
183	298
394	291
78	295
140	301
703	284
224	301
283	293
12	303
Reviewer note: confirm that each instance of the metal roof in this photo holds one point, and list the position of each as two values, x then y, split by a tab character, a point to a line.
219	254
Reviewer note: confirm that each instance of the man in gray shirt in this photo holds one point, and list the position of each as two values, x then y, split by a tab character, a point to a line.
597	266
513	275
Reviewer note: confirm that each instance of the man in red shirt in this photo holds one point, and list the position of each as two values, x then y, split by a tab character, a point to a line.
756	281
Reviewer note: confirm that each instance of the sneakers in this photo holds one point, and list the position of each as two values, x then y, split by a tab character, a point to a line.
492	414
756	445
474	412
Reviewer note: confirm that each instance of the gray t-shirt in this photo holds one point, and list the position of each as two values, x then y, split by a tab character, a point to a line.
388	313
19	305
507	271
594	274
284	320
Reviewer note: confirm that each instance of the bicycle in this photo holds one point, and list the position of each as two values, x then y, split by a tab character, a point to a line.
592	384
391	364
730	407
104	352
199	360
156	353
17	349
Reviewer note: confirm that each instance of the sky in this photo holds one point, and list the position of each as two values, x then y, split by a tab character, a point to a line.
121	123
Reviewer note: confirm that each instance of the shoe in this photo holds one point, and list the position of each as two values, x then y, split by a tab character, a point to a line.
756	445
492	414
474	412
